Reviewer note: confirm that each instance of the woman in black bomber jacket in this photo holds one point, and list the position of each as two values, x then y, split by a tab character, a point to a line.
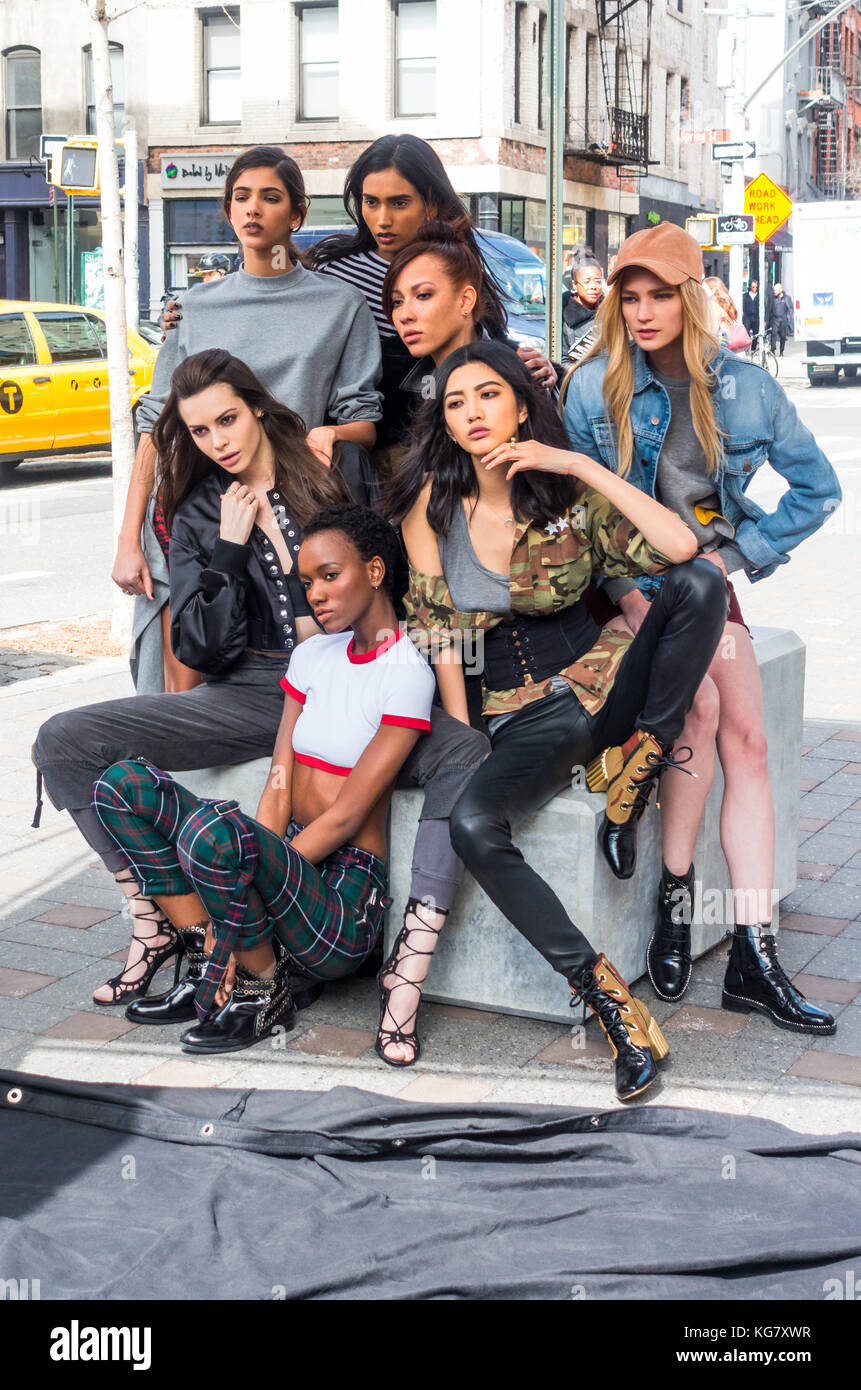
238	481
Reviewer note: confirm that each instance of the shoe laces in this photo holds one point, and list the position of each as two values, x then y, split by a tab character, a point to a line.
589	992
769	947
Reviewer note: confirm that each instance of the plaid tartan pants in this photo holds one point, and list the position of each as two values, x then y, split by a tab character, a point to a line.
251	882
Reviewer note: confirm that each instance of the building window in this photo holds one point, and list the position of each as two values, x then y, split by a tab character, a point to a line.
617	230
23	102
519	22
542	41
117	82
669	159
684	103
569	41
415	57
318	62
222	95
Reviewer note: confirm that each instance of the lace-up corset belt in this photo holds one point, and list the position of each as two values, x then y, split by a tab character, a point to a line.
536	646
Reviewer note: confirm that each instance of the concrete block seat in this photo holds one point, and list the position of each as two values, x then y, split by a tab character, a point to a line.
483	962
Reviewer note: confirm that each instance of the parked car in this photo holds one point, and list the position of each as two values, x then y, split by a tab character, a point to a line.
54	380
520	274
151	332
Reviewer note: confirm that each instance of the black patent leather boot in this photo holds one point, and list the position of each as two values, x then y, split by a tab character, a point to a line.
755	981
634	1036
177	1006
668	955
254	1010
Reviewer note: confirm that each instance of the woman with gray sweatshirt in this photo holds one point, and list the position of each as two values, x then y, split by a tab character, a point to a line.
314	346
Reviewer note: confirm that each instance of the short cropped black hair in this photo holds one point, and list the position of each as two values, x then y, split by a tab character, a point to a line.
370	533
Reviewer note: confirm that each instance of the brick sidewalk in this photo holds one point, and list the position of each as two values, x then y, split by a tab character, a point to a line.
61	934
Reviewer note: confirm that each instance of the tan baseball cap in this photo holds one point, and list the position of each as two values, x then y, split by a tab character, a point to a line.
666	250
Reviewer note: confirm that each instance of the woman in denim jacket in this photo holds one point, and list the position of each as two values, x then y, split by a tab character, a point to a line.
660	402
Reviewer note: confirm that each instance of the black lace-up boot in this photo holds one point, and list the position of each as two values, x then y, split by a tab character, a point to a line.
634	1036
668	956
629	774
177	1006
756	981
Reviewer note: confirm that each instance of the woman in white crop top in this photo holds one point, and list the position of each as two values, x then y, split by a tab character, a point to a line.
306	880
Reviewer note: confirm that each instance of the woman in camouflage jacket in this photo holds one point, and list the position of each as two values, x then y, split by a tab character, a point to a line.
491	492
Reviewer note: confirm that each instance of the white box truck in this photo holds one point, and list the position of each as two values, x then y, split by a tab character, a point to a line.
826	272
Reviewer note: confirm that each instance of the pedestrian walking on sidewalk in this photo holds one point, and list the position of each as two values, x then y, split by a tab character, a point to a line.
780	322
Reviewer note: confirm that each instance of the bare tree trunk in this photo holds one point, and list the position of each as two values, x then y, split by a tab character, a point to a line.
122	432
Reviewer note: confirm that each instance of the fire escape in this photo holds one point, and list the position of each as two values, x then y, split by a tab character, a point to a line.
616	130
825	101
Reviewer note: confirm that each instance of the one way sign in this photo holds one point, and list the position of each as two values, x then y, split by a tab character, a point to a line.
734	149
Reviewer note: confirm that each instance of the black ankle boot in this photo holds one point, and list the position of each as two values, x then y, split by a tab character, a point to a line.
177	1006
634	1036
668	955
628	774
254	1010
755	980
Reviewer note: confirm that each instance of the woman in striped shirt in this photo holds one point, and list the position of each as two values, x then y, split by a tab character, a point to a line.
396	184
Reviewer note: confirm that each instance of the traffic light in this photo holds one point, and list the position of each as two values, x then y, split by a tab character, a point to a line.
75	166
702	229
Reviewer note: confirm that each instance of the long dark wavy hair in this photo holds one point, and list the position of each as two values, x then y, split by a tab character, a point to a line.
286	169
433	453
306	484
417	162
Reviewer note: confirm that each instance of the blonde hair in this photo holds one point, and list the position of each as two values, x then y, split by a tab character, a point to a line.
700	348
723	296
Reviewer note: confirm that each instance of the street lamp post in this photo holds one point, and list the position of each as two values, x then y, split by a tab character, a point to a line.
555	137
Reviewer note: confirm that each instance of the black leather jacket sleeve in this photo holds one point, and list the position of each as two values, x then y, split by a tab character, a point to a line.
208	600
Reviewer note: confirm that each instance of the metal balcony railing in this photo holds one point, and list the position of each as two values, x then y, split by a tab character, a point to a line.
629	136
826	86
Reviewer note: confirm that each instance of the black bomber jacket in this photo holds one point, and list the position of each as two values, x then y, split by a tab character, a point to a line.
226	597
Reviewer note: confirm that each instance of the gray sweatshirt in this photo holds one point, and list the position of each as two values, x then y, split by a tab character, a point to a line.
310	338
682	484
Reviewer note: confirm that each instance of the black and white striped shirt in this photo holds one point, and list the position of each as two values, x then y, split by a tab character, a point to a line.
367	271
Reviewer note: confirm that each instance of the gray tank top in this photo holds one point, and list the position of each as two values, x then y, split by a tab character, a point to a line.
473	587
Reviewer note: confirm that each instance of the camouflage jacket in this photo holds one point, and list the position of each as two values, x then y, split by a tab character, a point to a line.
551	566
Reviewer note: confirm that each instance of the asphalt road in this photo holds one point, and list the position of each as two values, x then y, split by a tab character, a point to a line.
56	549
56	546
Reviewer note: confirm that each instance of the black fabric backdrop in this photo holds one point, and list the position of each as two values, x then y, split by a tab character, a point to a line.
139	1192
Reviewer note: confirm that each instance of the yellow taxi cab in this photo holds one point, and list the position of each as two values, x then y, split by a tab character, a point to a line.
54	379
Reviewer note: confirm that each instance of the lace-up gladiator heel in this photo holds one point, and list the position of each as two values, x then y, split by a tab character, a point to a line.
386	1037
177	1006
755	980
628	775
152	958
668	955
635	1038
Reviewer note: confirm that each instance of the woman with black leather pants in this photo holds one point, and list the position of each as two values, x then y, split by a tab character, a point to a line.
503	534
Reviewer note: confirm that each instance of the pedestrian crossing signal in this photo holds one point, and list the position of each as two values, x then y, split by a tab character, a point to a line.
75	166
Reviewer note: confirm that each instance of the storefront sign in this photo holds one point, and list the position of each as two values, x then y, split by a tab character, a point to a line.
181	171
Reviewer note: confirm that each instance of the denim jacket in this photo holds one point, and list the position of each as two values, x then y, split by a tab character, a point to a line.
759	424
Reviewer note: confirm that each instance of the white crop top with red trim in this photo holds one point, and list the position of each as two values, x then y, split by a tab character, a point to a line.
346	697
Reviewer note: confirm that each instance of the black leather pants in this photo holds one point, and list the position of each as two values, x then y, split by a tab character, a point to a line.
537	751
